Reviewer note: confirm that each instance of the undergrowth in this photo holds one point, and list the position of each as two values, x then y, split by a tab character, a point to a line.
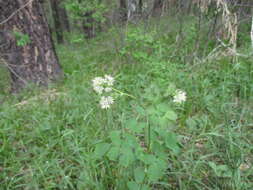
60	138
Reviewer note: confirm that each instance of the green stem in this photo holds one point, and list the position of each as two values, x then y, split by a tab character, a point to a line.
122	93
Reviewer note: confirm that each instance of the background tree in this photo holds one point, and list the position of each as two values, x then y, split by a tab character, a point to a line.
123	10
57	20
26	44
157	7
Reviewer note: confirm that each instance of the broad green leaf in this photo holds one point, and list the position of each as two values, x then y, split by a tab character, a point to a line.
135	126
145	187
155	172
163	107
131	124
159	150
133	185
130	140
171	115
172	142
147	158
163	122
221	170
140	110
139	174
155	120
101	149
115	138
191	123
151	110
139	128
114	153
127	157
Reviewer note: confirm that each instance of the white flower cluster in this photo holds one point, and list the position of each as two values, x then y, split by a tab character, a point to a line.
179	97
106	102
101	85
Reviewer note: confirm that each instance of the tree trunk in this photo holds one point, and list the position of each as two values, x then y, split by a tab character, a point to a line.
26	44
140	5
57	20
157	7
251	33
64	18
88	25
123	10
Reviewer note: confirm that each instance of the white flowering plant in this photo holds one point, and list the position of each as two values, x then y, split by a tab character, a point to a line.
146	137
103	86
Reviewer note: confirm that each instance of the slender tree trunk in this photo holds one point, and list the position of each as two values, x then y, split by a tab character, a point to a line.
123	10
35	60
157	7
57	20
251	34
88	25
140	5
64	18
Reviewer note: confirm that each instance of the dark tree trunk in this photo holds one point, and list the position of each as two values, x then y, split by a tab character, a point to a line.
88	25
64	18
140	5
57	20
123	10
34	61
157	7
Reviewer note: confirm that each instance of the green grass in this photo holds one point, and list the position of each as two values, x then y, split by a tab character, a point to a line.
48	136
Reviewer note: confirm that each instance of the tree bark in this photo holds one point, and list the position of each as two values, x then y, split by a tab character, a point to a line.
64	18
123	10
140	5
157	7
57	20
34	61
88	25
251	33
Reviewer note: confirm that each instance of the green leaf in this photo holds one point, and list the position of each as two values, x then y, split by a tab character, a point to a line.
139	128
159	150
135	126
147	158
221	170
127	157
155	120
140	110
113	153
130	141
191	123
145	187
171	115
101	149
155	172
139	174
133	185
131	123
151	110
163	107
115	138
171	142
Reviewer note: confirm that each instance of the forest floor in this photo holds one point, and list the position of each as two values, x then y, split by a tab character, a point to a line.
61	138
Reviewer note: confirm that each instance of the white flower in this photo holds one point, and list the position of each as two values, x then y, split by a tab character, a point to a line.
108	89
106	102
98	89
180	96
109	80
97	84
98	81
